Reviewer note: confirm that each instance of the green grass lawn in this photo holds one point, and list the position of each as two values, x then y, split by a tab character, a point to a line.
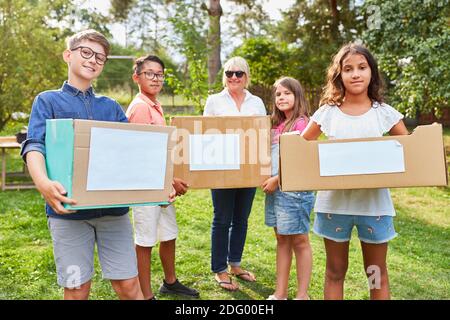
418	260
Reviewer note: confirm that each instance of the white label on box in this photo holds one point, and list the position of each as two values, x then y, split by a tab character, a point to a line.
366	157
214	152
126	160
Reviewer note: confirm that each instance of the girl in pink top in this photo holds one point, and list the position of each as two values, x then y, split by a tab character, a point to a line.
289	212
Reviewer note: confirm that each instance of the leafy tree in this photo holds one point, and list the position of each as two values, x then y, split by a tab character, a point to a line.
30	58
268	61
314	31
88	19
120	9
248	20
247	23
33	37
189	27
145	22
411	41
197	41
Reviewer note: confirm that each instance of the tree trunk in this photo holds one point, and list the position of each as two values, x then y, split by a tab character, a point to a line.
214	64
335	20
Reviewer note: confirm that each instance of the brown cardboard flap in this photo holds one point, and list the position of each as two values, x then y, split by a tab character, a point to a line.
82	129
255	164
425	163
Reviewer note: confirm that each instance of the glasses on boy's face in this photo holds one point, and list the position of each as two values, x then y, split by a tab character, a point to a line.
87	53
150	75
239	74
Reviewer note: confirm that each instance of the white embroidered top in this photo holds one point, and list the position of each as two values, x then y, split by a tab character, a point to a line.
335	124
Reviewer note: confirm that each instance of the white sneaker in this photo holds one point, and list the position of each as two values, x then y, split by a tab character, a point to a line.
273	297
308	298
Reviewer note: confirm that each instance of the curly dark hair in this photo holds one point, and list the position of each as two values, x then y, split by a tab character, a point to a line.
334	91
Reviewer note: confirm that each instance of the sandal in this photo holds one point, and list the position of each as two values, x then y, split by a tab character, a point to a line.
223	284
245	275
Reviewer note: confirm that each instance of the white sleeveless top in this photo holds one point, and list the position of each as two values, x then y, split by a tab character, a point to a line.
337	125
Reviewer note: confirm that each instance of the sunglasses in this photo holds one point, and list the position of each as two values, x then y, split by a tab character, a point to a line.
239	74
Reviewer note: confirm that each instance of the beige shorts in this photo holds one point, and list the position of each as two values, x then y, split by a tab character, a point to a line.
153	224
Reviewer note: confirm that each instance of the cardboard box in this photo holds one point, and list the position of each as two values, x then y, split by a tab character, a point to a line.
252	135
423	156
67	160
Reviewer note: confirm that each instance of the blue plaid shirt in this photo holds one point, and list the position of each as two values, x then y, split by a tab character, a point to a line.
69	102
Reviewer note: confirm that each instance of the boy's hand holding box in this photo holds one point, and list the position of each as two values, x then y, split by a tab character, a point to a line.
110	164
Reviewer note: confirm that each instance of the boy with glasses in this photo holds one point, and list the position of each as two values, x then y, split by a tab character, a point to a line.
75	234
152	224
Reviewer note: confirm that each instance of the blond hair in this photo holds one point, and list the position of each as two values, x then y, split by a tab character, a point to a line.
239	62
91	35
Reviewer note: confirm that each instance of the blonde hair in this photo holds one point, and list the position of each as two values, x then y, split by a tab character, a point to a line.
241	64
91	35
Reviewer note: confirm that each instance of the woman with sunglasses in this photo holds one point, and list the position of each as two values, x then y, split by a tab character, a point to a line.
232	206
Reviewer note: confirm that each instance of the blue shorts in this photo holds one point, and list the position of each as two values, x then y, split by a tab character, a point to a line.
289	212
338	227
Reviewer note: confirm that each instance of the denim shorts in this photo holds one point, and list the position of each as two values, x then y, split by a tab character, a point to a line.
338	227
289	212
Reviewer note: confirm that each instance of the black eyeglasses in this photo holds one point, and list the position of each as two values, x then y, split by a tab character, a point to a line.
239	74
150	75
87	53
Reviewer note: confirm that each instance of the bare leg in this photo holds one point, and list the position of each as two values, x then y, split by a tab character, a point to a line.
374	256
128	289
144	257
303	256
284	259
337	264
81	293
167	256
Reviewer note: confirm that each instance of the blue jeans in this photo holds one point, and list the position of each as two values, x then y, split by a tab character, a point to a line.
229	228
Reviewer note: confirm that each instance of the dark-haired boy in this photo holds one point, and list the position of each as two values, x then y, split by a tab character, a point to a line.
152	224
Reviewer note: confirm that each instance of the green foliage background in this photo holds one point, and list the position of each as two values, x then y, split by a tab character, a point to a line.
410	38
417	32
